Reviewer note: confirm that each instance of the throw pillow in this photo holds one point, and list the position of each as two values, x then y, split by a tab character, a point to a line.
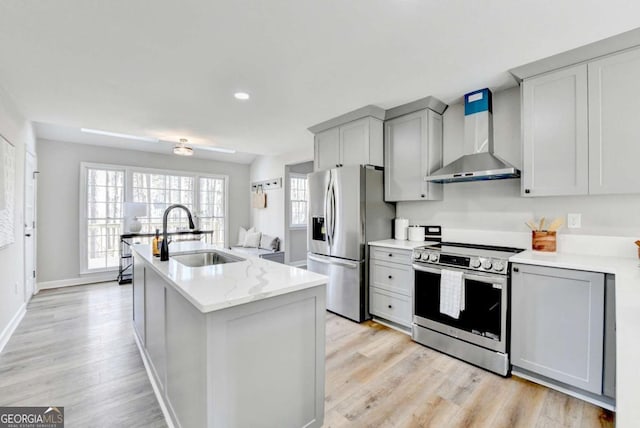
252	239
242	235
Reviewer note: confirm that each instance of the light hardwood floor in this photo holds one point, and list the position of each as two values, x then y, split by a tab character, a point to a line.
75	348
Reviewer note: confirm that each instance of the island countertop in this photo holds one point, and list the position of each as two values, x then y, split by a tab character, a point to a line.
221	286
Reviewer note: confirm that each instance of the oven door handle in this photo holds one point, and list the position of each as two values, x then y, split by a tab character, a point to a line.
488	279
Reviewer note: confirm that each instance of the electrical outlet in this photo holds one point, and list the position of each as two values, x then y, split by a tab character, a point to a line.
574	220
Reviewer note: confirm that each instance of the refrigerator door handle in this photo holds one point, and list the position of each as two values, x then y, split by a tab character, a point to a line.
332	261
327	210
333	211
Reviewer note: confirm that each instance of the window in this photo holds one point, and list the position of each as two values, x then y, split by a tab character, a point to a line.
104	216
105	188
212	207
299	195
159	191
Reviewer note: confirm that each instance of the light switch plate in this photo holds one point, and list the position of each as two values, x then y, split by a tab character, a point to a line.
574	220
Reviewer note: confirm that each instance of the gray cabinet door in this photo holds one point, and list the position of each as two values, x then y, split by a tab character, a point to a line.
138	297
155	320
614	134
354	142
555	132
557	324
327	149
413	149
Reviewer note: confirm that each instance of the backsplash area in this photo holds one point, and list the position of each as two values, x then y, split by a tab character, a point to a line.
498	206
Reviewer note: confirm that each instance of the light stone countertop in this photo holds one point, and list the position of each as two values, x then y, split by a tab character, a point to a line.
627	276
401	245
211	288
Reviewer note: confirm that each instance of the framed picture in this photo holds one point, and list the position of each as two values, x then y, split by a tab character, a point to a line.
7	192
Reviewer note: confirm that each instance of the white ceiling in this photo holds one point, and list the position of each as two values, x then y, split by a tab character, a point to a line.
168	69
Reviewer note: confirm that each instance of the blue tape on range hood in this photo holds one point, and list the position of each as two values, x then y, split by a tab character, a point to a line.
481	101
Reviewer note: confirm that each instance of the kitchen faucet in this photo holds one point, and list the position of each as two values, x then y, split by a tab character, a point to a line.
164	247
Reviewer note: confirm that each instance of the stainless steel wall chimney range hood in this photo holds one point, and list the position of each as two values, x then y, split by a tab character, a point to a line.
481	163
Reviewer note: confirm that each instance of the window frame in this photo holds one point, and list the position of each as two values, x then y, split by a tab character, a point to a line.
293	225
128	197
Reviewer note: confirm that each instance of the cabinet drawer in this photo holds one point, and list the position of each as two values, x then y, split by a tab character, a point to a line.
391	255
390	306
392	277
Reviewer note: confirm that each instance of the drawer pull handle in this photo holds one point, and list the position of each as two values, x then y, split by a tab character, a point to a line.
390	277
390	255
390	306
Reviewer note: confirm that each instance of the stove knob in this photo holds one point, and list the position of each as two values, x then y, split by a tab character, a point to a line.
487	264
433	257
498	266
417	255
475	263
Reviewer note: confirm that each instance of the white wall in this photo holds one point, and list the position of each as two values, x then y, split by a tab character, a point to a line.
59	190
271	220
15	128
497	205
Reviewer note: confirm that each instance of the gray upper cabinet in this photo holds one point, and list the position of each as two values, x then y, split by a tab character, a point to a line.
354	143
579	128
555	133
327	149
412	150
614	110
355	138
557	324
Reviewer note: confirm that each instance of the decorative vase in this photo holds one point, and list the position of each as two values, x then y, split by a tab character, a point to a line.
135	226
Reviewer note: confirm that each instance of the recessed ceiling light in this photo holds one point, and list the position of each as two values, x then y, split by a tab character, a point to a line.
242	96
119	135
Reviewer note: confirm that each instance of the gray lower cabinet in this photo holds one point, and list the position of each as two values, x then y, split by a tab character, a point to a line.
391	285
557	324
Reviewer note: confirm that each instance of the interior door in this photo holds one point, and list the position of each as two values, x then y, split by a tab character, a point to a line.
30	224
347	231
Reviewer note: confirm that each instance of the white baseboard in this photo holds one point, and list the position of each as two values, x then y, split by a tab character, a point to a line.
11	327
102	277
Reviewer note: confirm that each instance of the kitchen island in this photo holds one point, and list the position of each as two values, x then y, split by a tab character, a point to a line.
235	344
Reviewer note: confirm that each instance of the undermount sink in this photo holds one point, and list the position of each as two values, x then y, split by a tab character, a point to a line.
205	258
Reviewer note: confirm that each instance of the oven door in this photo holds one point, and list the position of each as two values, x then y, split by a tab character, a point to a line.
484	320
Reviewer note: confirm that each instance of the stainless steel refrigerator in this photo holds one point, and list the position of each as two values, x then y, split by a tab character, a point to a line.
346	210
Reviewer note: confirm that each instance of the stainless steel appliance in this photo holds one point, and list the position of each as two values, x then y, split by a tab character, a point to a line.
479	162
346	210
480	333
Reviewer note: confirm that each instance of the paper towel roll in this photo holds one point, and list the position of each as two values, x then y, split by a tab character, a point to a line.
401	226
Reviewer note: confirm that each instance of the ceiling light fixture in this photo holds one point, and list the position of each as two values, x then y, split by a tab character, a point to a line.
182	149
242	96
118	135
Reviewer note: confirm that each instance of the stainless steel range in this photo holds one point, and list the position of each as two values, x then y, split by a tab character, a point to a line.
461	302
